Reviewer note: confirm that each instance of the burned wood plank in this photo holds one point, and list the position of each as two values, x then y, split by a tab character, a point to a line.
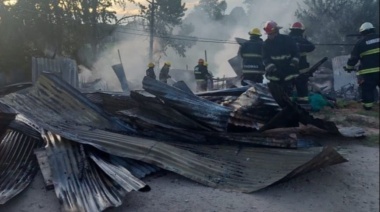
201	110
43	163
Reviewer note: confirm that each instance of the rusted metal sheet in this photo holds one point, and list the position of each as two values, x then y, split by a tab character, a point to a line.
18	166
201	110
65	68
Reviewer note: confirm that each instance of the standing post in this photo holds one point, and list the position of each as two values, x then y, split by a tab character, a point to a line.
151	31
206	55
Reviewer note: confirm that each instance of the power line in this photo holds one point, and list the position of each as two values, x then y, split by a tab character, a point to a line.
210	40
189	38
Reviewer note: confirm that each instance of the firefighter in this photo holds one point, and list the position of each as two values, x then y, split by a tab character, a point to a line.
281	59
250	51
164	73
150	71
201	75
304	47
366	50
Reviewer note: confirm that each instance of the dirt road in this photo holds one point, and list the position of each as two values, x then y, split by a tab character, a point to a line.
352	186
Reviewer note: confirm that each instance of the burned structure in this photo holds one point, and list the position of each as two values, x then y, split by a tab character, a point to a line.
97	146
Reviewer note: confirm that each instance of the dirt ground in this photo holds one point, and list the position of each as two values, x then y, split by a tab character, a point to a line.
351	186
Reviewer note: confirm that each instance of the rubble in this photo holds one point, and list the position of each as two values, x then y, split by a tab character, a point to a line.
101	145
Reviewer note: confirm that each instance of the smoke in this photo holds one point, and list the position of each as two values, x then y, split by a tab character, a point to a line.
134	48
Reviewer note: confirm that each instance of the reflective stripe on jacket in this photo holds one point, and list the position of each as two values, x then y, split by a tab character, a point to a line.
366	50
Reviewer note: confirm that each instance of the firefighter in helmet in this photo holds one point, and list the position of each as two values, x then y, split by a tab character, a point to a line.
301	82
150	71
281	59
366	50
201	75
250	51
164	73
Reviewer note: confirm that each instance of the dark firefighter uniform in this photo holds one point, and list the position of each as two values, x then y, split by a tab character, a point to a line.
366	50
201	76
281	58
164	73
251	53
150	71
301	81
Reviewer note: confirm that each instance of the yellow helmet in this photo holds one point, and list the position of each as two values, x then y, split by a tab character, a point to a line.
255	31
168	63
151	65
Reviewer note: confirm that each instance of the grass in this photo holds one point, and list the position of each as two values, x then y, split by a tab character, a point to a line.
369	113
371	140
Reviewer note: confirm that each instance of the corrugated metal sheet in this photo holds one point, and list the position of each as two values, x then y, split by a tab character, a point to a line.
120	174
65	68
112	101
248	172
52	97
18	166
78	184
232	167
13	88
201	110
137	168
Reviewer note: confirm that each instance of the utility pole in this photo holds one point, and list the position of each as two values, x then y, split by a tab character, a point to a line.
152	8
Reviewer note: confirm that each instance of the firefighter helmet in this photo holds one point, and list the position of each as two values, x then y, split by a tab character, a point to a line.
366	26
271	27
255	31
168	63
151	65
201	61
298	25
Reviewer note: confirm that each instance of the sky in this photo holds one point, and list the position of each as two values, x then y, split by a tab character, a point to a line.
132	9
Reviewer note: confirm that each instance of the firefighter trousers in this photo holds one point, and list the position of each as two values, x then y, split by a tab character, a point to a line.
301	84
256	78
201	85
280	90
369	82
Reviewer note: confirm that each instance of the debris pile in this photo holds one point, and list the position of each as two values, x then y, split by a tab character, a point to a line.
93	148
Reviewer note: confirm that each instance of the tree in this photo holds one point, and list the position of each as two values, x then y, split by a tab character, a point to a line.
53	27
167	20
330	21
214	8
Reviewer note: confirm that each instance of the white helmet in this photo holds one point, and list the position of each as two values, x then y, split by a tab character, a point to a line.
366	26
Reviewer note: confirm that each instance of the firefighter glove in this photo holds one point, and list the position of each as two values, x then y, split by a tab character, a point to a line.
270	69
348	69
294	62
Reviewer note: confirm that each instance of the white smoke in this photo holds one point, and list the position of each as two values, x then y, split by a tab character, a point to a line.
134	48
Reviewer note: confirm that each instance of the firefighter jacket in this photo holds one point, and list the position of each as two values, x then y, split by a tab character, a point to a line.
367	51
150	73
164	73
201	72
281	56
304	47
251	52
